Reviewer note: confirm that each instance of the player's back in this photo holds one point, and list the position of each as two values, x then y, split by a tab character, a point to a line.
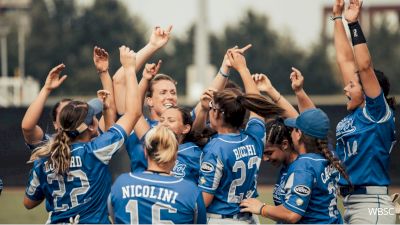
85	187
153	198
311	190
230	166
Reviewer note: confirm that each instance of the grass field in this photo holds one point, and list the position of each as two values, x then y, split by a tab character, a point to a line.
12	210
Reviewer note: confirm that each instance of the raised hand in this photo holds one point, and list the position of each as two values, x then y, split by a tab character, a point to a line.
206	98
104	96
53	79
226	61
297	80
338	8
151	69
127	57
262	82
100	59
353	11
160	37
237	60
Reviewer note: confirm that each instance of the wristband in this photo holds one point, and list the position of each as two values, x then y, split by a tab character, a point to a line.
226	75
261	209
333	18
357	36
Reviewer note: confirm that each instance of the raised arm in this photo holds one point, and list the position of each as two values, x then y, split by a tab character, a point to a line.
158	39
202	113
368	78
32	133
344	52
264	85
101	62
132	101
222	76
304	102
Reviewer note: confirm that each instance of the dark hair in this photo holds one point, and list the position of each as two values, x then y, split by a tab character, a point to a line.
71	117
157	78
233	104
315	145
55	107
277	132
385	85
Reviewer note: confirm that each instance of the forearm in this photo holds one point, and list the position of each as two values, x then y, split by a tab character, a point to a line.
119	90
280	213
107	84
249	85
144	54
344	52
33	113
282	102
132	101
143	86
304	101
199	124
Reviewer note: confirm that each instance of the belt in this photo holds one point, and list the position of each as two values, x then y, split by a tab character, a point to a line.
239	216
363	190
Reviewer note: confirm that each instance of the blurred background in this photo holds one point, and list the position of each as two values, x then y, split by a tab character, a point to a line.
36	35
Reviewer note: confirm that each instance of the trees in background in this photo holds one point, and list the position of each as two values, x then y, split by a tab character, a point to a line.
63	32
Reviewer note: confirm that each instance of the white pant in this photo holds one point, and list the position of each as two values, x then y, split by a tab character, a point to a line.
216	219
369	209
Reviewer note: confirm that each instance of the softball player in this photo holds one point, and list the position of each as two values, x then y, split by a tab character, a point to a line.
154	196
366	136
71	172
309	191
231	159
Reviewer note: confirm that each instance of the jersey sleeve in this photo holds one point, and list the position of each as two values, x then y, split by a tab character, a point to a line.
34	147
256	127
298	191
105	145
200	211
33	190
376	109
210	172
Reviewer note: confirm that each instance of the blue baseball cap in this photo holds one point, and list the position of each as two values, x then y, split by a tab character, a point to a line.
95	107
313	122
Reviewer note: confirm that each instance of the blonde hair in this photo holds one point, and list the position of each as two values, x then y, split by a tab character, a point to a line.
161	145
58	148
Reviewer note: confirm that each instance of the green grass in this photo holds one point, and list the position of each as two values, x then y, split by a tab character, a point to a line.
12	210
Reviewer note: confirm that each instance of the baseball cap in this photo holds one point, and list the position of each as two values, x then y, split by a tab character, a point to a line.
313	122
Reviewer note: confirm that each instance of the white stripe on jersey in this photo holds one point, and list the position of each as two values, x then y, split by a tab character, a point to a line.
104	154
233	141
76	148
186	148
312	159
295	207
156	181
218	174
383	119
34	184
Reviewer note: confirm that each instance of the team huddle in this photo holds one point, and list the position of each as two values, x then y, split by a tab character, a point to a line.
200	165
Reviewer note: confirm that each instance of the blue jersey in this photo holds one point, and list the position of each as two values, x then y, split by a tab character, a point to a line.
311	189
230	166
279	190
365	139
135	150
85	187
152	198
187	164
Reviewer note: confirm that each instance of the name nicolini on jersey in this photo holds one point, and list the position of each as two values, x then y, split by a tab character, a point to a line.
147	191
76	161
243	151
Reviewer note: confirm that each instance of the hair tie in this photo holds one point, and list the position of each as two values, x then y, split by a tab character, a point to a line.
239	98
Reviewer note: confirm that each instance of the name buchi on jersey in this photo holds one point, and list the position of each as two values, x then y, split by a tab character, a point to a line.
244	151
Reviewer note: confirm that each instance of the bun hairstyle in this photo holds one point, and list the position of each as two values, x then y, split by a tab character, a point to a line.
161	145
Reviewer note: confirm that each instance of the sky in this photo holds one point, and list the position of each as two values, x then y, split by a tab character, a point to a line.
301	19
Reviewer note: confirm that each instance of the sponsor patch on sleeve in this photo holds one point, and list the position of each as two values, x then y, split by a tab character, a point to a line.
302	190
207	167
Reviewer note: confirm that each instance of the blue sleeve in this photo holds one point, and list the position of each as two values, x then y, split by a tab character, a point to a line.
33	147
256	127
298	191
377	109
105	145
33	190
193	113
210	171
201	211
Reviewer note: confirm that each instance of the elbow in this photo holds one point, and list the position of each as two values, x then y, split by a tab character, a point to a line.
364	65
28	203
